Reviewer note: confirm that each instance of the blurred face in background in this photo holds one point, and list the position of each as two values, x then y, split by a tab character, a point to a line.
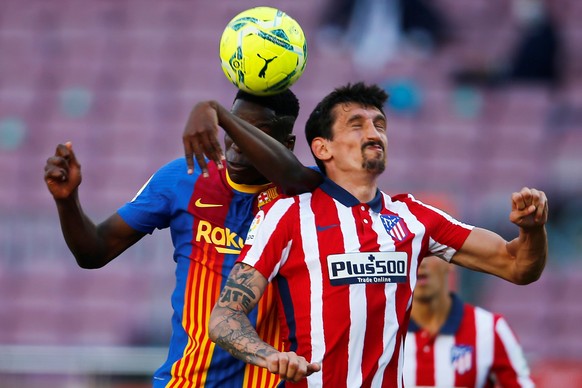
432	280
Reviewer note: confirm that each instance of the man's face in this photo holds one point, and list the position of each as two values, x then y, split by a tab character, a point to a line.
432	279
239	167
359	138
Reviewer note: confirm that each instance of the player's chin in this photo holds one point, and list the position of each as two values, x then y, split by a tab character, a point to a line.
375	165
246	175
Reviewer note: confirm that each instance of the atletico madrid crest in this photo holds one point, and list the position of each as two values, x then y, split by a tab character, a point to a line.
395	227
462	358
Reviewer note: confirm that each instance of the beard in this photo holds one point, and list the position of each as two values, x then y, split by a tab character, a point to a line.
376	164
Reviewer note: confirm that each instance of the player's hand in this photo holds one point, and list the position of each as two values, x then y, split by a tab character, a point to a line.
291	367
200	137
529	208
62	172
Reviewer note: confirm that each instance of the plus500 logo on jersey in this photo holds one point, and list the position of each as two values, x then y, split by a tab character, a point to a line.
367	267
223	239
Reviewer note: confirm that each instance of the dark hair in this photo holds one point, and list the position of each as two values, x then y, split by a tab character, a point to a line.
283	104
321	120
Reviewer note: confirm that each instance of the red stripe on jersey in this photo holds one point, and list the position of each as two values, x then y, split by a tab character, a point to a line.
467	337
504	373
268	328
375	299
328	229
425	356
374	332
202	291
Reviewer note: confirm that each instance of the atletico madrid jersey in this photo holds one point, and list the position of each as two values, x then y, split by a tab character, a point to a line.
474	348
345	272
208	220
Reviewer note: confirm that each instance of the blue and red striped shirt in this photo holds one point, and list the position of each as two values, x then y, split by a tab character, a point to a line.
208	220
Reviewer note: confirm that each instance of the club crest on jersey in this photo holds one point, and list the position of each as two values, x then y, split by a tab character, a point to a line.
254	227
395	227
462	358
367	267
267	196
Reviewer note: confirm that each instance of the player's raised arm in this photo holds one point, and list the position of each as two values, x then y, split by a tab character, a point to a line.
92	245
231	329
273	159
521	260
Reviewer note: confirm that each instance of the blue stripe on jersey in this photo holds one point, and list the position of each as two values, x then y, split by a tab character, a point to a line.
285	294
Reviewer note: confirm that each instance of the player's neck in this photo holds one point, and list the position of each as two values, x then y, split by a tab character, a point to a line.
362	186
432	314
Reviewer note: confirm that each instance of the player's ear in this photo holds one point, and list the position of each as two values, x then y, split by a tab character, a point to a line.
320	149
290	142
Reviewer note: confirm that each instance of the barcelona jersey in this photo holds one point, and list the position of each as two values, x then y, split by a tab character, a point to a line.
208	220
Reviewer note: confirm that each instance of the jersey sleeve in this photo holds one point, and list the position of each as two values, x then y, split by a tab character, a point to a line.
151	208
269	237
445	233
510	368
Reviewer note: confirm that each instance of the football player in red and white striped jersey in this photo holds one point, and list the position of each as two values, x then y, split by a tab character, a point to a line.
455	344
344	258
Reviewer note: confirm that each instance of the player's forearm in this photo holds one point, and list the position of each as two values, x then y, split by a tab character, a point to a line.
275	161
530	250
232	331
80	233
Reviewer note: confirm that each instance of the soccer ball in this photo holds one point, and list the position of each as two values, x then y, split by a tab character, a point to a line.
263	51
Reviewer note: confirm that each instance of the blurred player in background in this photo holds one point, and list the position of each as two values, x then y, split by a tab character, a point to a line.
454	344
208	212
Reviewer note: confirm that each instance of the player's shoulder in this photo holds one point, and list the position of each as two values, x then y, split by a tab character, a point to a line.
283	202
178	164
177	168
169	175
402	197
496	316
405	198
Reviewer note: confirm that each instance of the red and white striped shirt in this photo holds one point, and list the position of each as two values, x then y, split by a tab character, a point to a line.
345	272
475	348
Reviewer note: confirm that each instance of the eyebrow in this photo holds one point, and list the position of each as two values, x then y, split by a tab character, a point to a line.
358	116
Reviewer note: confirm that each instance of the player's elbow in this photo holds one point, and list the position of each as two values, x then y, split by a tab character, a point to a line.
529	275
527	278
90	262
213	326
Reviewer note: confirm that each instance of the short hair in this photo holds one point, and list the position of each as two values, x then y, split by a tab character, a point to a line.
320	122
283	104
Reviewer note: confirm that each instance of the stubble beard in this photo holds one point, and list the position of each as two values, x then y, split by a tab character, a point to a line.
376	165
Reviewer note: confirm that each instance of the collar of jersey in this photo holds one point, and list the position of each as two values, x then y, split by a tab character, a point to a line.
345	198
453	321
249	189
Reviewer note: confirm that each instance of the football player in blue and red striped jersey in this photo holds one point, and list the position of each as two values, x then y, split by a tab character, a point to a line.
344	258
208	210
451	343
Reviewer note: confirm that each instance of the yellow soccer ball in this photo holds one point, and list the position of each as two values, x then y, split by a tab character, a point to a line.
263	51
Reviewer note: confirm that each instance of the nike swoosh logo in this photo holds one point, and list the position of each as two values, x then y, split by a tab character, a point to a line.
199	203
325	227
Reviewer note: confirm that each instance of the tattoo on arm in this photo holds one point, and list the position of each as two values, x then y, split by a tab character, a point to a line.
230	327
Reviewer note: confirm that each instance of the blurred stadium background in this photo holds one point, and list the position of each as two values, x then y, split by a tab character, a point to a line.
118	79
